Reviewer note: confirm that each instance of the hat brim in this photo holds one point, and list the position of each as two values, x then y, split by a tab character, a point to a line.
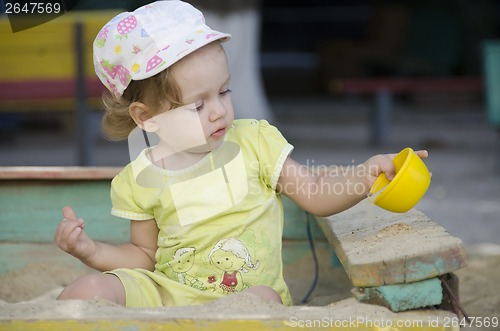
170	54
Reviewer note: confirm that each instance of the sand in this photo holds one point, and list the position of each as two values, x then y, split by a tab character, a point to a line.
30	293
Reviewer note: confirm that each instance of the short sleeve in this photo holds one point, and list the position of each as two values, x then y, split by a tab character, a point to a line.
124	203
273	151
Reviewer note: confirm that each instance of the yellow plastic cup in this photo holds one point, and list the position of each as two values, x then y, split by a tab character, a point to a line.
408	186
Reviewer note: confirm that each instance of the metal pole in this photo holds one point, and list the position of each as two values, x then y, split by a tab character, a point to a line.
381	117
83	137
497	152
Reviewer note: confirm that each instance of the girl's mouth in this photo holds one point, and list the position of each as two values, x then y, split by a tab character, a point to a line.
219	133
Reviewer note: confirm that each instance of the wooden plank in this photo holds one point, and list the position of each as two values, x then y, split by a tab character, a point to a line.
66	173
51	105
377	247
43	191
38	65
30	210
139	325
242	324
47	89
242	312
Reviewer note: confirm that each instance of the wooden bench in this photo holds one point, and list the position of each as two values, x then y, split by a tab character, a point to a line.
384	88
399	256
50	68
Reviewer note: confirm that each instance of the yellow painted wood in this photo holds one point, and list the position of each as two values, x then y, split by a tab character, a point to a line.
47	51
38	63
205	325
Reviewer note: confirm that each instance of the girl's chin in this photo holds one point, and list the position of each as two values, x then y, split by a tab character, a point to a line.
215	144
211	146
199	149
205	148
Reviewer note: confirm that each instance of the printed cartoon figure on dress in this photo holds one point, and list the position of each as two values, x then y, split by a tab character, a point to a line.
231	256
183	261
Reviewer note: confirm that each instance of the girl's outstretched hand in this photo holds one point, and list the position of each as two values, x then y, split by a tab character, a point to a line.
382	163
71	237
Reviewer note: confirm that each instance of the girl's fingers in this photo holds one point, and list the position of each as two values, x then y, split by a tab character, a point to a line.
72	238
65	229
422	153
68	213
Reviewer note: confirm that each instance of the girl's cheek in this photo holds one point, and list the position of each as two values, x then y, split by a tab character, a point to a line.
181	128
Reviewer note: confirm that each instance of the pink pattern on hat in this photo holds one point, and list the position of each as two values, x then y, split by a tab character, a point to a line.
126	26
111	86
116	70
211	35
123	74
154	62
136	49
102	37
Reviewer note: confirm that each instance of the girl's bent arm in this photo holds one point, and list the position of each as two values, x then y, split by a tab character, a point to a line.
139	253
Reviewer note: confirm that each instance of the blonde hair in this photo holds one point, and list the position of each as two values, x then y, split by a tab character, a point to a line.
154	92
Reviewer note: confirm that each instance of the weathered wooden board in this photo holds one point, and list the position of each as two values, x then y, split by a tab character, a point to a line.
231	313
62	173
31	200
31	210
241	323
377	247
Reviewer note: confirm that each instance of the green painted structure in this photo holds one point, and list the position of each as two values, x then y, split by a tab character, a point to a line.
30	211
401	297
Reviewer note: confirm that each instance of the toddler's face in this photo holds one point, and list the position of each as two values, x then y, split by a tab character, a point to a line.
201	124
227	261
184	262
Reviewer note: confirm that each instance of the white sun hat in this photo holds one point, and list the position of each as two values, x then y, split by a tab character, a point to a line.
138	45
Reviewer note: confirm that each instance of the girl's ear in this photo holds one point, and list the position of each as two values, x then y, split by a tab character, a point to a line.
142	116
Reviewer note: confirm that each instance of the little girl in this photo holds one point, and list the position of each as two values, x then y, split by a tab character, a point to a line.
204	201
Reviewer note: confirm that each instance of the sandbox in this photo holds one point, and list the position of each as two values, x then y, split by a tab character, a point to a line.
33	271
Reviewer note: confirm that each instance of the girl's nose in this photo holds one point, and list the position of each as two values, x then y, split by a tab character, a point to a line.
217	111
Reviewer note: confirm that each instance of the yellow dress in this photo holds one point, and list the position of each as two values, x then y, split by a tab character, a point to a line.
220	221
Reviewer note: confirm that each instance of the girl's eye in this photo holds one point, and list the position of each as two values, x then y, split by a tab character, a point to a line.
200	107
223	93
